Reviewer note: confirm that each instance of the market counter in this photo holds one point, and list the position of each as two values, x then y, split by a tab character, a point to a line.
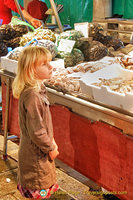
93	139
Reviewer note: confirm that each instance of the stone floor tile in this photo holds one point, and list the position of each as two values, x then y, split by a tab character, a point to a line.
75	188
5	187
61	195
8	197
18	196
7	165
12	148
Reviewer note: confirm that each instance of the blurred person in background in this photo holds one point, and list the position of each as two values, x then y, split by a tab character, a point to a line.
6	8
37	10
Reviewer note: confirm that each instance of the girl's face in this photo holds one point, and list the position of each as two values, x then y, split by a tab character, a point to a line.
43	68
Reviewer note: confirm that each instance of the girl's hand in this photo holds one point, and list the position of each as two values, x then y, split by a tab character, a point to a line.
56	146
53	154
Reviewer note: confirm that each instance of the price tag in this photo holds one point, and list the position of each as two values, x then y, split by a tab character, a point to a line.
83	27
66	45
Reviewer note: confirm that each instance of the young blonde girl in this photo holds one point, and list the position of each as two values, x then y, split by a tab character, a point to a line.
37	149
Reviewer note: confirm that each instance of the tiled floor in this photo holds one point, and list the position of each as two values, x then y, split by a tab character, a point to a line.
70	187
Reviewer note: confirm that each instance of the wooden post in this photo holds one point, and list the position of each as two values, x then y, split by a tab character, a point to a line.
20	12
6	119
56	15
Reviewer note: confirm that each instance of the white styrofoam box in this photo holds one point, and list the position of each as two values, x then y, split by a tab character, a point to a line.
57	63
104	94
106	61
9	64
130	53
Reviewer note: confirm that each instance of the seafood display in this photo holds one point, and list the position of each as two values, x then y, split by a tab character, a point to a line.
117	84
14	55
67	80
38	34
126	62
48	44
93	50
73	58
79	65
10	36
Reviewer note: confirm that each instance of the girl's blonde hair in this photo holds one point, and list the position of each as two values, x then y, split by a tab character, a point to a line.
26	75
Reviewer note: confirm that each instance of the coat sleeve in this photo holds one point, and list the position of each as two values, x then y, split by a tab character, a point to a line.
11	4
36	124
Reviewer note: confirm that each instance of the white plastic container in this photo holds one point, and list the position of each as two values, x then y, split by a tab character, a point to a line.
104	94
9	64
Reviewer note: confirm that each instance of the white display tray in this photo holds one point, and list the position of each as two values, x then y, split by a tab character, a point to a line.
104	94
9	64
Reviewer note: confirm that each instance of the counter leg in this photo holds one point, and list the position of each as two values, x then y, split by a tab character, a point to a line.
6	119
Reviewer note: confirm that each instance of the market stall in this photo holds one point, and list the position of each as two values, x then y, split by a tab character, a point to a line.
94	133
94	139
